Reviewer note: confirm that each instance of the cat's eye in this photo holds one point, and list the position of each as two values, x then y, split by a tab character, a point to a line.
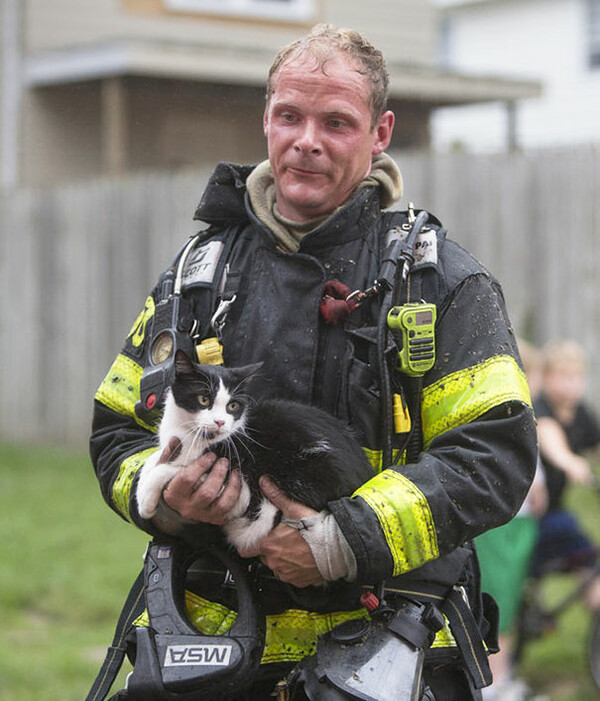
233	406
203	400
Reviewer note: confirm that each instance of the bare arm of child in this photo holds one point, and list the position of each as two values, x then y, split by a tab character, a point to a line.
555	447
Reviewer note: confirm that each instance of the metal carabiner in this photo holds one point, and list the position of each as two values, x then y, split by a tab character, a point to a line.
219	318
360	296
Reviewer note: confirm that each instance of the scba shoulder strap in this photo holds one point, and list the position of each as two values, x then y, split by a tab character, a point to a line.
133	608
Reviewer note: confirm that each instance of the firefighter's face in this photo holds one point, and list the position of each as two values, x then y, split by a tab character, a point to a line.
319	134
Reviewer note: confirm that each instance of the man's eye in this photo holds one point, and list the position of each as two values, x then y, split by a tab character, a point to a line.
233	406
287	117
204	400
335	123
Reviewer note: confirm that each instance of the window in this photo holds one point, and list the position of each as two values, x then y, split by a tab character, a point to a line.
291	10
593	25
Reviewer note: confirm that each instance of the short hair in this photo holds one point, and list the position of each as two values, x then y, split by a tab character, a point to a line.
558	351
321	41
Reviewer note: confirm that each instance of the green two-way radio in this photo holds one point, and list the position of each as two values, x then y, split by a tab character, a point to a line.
415	323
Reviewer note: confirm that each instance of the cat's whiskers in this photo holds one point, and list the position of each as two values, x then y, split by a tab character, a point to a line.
198	444
253	378
244	438
244	432
232	450
194	440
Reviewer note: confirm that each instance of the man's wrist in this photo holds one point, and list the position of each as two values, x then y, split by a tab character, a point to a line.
167	519
330	549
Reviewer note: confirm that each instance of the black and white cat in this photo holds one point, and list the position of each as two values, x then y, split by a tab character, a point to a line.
311	456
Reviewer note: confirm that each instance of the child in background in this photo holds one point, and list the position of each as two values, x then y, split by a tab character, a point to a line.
567	428
505	558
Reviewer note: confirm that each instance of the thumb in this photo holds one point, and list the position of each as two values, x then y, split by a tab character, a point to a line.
172	451
288	507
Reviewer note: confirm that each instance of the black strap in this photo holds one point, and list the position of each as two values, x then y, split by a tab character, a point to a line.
133	608
462	622
468	638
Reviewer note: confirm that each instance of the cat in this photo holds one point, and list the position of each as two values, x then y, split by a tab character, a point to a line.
311	456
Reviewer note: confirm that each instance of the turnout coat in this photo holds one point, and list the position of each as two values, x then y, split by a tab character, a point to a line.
411	524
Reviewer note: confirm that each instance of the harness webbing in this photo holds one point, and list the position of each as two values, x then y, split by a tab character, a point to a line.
133	608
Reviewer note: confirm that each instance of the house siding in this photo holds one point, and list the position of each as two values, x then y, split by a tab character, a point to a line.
539	39
173	122
404	31
407	34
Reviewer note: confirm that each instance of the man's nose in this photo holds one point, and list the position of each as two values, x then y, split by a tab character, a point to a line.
308	140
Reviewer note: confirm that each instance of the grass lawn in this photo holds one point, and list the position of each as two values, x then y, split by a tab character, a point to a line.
68	563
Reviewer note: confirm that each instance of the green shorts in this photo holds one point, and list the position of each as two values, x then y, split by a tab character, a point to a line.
505	558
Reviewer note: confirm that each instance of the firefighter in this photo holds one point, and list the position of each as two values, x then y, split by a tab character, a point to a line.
284	244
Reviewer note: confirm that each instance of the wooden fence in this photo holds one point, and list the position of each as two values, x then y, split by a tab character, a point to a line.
77	262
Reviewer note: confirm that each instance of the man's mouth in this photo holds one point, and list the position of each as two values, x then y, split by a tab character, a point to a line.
304	172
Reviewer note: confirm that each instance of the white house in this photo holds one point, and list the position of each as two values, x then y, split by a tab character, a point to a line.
554	41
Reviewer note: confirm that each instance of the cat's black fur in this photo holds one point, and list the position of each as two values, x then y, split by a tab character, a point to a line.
311	456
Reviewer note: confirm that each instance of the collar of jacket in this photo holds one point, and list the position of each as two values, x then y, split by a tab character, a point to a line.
225	201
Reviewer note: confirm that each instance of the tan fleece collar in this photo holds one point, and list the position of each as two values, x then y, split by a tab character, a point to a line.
261	190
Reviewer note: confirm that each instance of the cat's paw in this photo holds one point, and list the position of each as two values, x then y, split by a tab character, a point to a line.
148	496
147	506
149	487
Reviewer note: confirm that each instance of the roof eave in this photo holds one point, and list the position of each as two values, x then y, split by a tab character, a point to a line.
243	66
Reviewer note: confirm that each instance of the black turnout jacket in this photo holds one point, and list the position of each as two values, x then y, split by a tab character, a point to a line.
478	456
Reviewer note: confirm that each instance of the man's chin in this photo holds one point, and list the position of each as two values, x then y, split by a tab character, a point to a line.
304	205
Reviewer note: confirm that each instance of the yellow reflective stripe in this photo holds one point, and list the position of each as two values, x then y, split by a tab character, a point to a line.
120	389
405	519
467	394
209	617
121	490
138	330
142	621
290	635
375	457
293	634
444	637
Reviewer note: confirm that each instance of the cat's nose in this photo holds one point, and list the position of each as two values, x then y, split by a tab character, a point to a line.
219	422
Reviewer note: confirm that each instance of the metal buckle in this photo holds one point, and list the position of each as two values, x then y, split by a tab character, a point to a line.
218	319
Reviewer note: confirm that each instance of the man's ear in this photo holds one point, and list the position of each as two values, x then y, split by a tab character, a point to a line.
383	132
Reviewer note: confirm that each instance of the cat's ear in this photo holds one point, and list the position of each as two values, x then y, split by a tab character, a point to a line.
183	365
247	371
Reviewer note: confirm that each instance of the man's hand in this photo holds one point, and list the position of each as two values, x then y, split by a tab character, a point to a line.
284	550
201	491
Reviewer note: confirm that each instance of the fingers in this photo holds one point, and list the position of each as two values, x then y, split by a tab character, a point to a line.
250	552
288	507
172	451
204	490
273	493
288	555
